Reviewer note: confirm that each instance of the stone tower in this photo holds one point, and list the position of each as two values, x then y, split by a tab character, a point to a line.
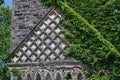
37	44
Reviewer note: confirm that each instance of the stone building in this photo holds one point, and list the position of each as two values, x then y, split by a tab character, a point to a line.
37	44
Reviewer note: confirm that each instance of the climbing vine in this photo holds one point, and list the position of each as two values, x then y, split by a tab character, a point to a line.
5	22
6	73
92	30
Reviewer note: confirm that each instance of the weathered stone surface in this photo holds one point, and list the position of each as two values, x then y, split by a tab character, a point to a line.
25	15
40	55
53	69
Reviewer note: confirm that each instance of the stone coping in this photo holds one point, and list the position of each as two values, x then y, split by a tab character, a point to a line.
43	64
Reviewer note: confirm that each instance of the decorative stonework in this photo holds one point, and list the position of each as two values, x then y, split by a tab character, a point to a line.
50	72
25	15
38	45
44	44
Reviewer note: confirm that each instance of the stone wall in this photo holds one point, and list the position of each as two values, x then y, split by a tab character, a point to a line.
49	71
25	15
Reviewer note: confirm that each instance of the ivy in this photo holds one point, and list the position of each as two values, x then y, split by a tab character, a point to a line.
6	73
91	29
5	22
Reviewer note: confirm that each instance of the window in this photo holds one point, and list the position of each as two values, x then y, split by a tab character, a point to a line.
38	77
19	78
79	77
29	77
58	76
48	77
68	77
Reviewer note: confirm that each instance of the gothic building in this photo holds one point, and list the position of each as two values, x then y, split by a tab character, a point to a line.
38	46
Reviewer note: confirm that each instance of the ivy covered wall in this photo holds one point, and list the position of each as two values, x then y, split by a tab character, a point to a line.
92	29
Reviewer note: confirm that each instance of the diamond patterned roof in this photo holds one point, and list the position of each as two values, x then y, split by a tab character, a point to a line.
45	42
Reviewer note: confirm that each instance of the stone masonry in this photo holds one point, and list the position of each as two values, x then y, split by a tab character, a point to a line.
25	15
38	44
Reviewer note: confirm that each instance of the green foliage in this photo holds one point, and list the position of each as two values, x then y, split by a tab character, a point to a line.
15	72
96	77
5	16
92	30
68	76
1	2
5	22
5	72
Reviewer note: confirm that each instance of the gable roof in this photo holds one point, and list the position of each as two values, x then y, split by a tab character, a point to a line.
43	43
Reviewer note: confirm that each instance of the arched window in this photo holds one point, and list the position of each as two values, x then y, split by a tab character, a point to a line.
38	77
19	78
58	76
68	77
48	77
29	77
79	77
